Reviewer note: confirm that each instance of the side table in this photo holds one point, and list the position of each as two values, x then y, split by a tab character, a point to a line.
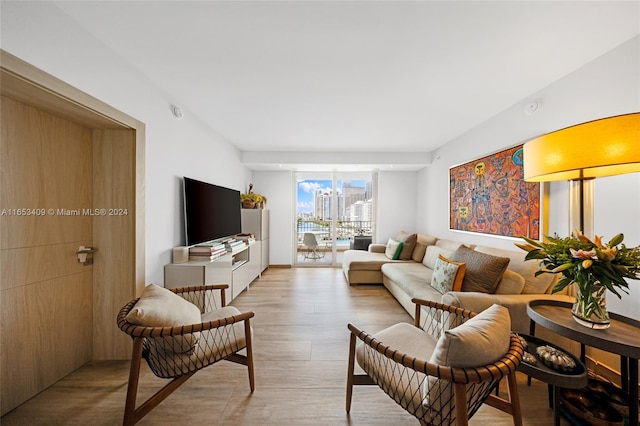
622	338
575	379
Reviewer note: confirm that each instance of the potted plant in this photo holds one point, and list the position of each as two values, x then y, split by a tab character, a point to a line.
593	266
251	200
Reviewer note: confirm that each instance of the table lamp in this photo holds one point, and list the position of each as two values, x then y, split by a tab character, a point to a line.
605	147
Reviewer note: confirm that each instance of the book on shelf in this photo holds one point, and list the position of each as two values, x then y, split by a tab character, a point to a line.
235	245
205	252
247	238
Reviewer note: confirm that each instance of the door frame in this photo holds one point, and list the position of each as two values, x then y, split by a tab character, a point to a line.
112	289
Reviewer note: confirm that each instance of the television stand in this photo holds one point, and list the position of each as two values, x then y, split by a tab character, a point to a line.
237	269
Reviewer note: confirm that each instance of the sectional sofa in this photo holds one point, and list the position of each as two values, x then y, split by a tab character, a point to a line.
491	275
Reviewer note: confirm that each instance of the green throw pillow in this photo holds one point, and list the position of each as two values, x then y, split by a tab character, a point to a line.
393	250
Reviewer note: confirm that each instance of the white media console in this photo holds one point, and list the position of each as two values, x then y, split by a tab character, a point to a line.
237	269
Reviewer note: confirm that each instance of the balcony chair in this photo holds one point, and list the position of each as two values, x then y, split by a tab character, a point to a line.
442	368
178	332
312	248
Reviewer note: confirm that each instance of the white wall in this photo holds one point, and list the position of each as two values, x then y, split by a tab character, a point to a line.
278	187
396	208
43	36
610	85
397	193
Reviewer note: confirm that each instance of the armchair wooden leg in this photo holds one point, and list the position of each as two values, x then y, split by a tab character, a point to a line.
249	342
514	398
132	387
460	395
350	369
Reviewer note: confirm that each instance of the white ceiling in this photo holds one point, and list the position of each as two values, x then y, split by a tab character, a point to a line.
350	77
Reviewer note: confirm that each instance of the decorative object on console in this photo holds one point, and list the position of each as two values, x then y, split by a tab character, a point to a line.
251	200
489	196
592	266
580	153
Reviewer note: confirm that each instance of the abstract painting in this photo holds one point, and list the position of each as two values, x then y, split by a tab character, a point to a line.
489	196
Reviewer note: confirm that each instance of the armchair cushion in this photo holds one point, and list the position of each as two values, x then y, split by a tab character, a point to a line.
484	271
159	307
479	341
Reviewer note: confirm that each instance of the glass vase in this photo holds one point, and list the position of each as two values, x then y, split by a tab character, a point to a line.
590	309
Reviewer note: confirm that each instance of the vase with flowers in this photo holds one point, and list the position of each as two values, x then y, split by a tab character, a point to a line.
594	268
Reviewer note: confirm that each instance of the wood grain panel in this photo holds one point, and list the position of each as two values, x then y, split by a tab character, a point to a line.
45	329
113	235
29	265
46	165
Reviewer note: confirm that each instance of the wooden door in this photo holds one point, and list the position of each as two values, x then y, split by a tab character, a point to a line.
71	174
46	303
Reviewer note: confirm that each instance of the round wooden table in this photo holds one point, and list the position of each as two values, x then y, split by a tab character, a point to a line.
575	379
622	338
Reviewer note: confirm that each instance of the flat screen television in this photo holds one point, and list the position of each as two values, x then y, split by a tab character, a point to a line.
212	212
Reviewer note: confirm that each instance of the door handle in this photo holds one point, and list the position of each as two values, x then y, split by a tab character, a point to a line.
85	255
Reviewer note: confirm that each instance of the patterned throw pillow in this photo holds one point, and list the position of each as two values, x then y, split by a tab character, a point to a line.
447	275
393	250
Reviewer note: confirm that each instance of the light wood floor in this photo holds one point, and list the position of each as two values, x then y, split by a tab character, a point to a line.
301	348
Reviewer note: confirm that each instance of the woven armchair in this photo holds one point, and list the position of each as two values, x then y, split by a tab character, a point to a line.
179	352
434	394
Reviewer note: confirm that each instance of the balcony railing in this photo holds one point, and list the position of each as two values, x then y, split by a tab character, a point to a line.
345	231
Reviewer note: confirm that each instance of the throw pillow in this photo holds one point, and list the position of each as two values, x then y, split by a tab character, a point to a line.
511	283
159	307
393	250
423	241
483	270
408	244
481	340
447	275
432	253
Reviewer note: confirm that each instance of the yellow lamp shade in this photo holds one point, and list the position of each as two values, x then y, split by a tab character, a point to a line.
605	147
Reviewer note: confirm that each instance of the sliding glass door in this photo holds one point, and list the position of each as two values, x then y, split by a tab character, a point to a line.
334	212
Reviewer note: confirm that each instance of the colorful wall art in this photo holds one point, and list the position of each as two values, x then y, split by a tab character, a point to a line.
490	196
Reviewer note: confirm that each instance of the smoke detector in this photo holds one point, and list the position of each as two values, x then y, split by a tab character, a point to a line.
177	111
532	107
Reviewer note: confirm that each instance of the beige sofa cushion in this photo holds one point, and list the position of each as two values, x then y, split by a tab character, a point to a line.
449	245
423	241
360	260
511	283
408	244
432	253
412	278
533	285
484	271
